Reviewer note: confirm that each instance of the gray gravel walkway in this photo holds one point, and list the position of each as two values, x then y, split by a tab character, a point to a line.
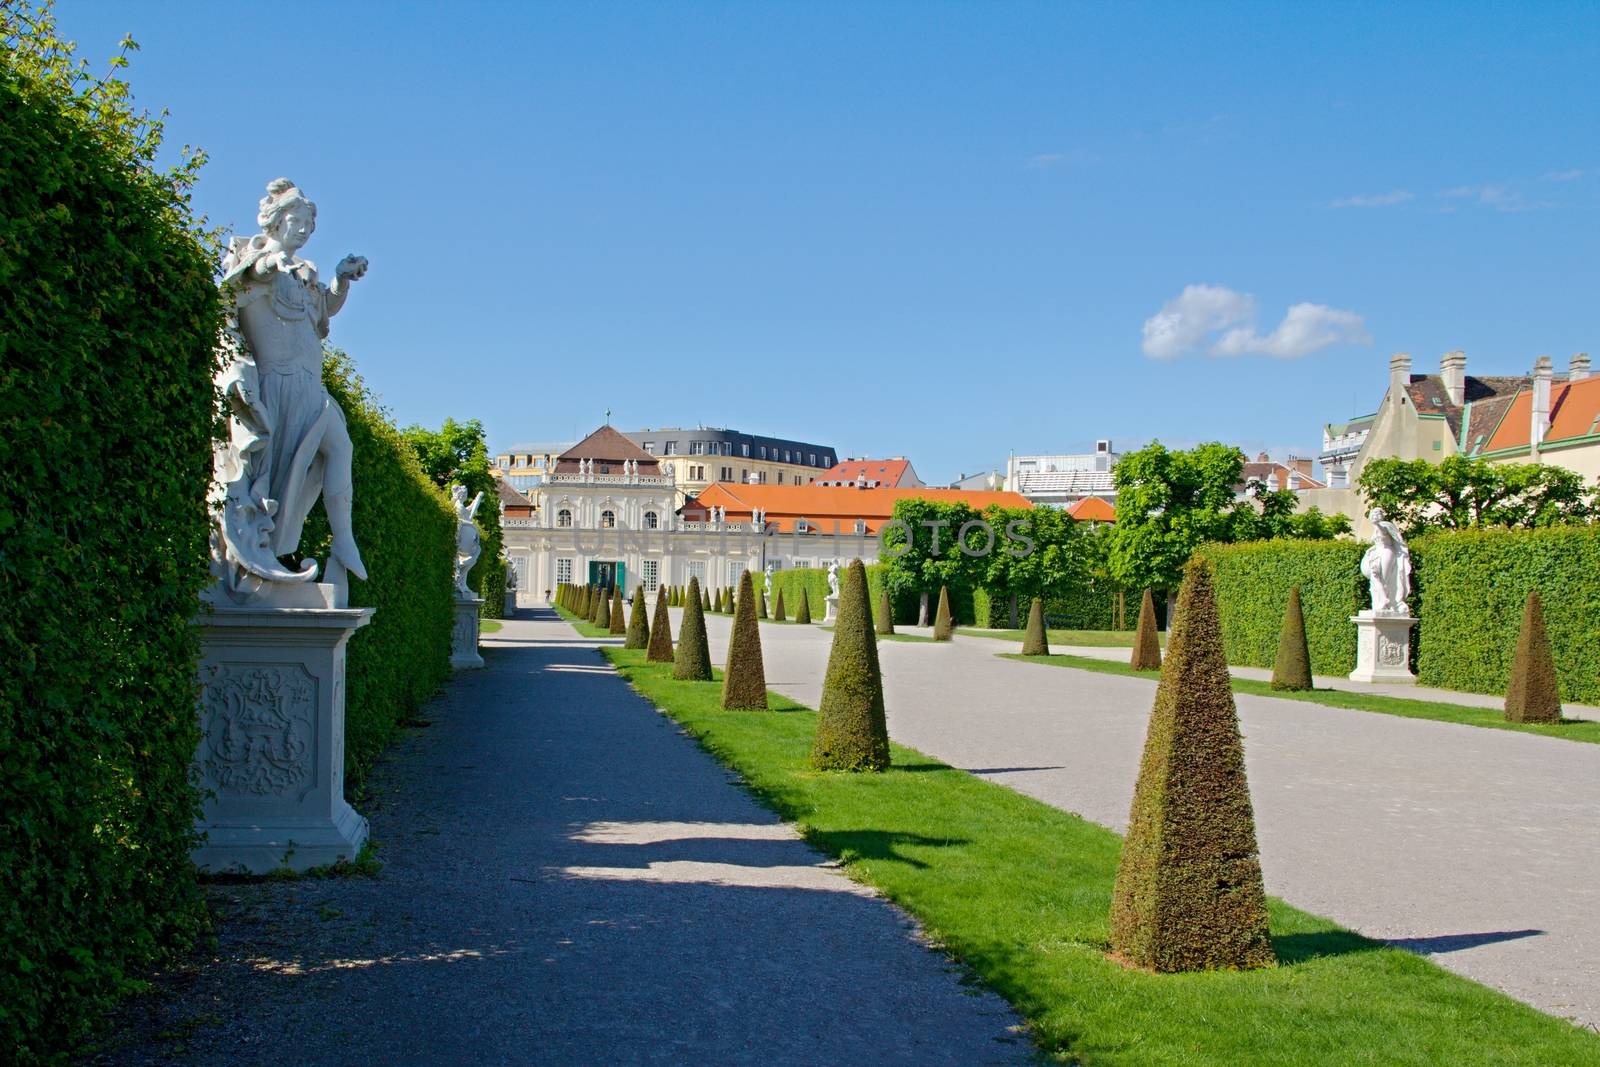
567	879
1479	848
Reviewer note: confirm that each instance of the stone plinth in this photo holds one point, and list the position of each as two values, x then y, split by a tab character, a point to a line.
464	635
1383	649
510	603
830	607
271	754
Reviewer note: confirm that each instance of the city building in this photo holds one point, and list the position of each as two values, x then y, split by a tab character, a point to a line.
892	473
1093	510
990	480
1293	475
1057	481
523	467
694	458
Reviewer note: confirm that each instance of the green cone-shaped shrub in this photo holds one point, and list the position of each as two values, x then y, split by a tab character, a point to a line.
1146	643
744	679
943	625
600	615
885	619
1533	694
1188	893
705	597
724	602
619	617
638	624
581	607
693	660
660	650
852	734
777	606
761	603
1292	669
803	612
1034	642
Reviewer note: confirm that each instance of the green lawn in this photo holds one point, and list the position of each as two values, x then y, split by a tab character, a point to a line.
1081	638
490	626
1020	891
585	628
1490	718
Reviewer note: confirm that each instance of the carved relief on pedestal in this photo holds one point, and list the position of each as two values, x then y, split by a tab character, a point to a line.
466	637
260	729
1390	653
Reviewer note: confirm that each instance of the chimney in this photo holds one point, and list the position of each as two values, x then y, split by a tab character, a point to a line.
1399	372
1453	369
1579	370
1301	465
1543	373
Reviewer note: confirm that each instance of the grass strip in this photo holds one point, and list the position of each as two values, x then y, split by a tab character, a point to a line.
1081	638
1583	730
490	626
587	628
1020	892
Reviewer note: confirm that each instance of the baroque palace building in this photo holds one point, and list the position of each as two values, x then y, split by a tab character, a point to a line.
698	457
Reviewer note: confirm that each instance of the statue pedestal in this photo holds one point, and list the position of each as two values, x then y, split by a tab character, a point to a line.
830	607
1383	649
271	754
510	608
464	635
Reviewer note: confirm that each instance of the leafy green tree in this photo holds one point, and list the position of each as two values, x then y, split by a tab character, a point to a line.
1169	503
1037	553
1461	493
457	452
922	548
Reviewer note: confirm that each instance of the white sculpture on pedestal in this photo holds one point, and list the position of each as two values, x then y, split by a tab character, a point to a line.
770	568
286	442
830	603
469	546
833	578
1383	632
1387	566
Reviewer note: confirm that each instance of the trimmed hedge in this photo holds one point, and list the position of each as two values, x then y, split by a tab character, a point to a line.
1092	606
407	532
108	322
813	582
1253	582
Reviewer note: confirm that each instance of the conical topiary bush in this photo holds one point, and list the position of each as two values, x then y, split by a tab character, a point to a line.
1146	643
1292	669
581	608
1188	893
885	620
943	625
600	609
852	734
1533	695
777	606
619	617
693	660
803	612
660	649
638	624
704	600
744	679
761	603
1034	641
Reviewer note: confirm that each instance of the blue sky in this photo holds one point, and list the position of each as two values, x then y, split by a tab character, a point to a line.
937	230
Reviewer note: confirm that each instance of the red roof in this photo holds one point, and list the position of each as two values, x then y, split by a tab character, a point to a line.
824	505
1092	509
606	446
1574	411
885	472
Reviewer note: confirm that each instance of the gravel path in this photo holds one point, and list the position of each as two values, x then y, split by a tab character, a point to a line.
1479	848
567	879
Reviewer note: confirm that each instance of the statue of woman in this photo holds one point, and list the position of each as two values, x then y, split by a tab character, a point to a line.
833	577
1387	566
288	442
468	544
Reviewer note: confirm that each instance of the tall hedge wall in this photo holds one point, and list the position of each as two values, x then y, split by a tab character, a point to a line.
1253	582
813	581
1088	607
406	529
108	318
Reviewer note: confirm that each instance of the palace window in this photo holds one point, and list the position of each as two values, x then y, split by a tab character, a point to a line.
780	477
812	459
649	446
697	570
564	571
735	572
786	456
608	520
697	448
650	523
727	474
649	569
670	448
564	517
763	451
744	449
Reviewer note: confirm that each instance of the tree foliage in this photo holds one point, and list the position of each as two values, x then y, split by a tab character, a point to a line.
922	546
1461	493
458	452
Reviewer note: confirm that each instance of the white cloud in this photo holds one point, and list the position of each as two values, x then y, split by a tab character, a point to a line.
1078	157
1564	175
1398	196
1185	322
1498	197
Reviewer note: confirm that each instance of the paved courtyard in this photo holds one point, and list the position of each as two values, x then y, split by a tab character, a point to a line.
1477	847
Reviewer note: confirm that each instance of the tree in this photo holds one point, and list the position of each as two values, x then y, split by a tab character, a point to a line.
1533	694
660	650
744	679
1146	642
943	624
638	625
457	452
1274	515
1035	642
1188	894
1292	669
1038	552
921	547
693	660
1462	493
852	732
885	620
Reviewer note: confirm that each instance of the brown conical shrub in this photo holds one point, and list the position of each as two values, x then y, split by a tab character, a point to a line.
600	615
705	597
693	660
943	625
619	617
581	607
660	650
802	614
1034	641
1188	893
638	624
777	606
761	603
744	679
852	734
1292	669
1534	694
1146	642
885	620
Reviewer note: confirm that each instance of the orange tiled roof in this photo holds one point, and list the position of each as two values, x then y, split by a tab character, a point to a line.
1574	410
823	505
886	472
1092	509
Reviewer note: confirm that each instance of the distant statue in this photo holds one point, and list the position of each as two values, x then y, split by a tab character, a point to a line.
1387	566
770	568
468	545
286	442
833	577
511	576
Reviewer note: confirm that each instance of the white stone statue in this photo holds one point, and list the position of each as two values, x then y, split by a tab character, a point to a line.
286	442
468	545
833	577
771	567
1387	566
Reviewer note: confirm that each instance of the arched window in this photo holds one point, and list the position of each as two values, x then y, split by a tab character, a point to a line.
564	517
650	522
608	520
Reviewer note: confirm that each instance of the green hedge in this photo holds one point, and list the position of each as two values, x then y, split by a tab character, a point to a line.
108	320
1092	606
1253	582
813	582
406	529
